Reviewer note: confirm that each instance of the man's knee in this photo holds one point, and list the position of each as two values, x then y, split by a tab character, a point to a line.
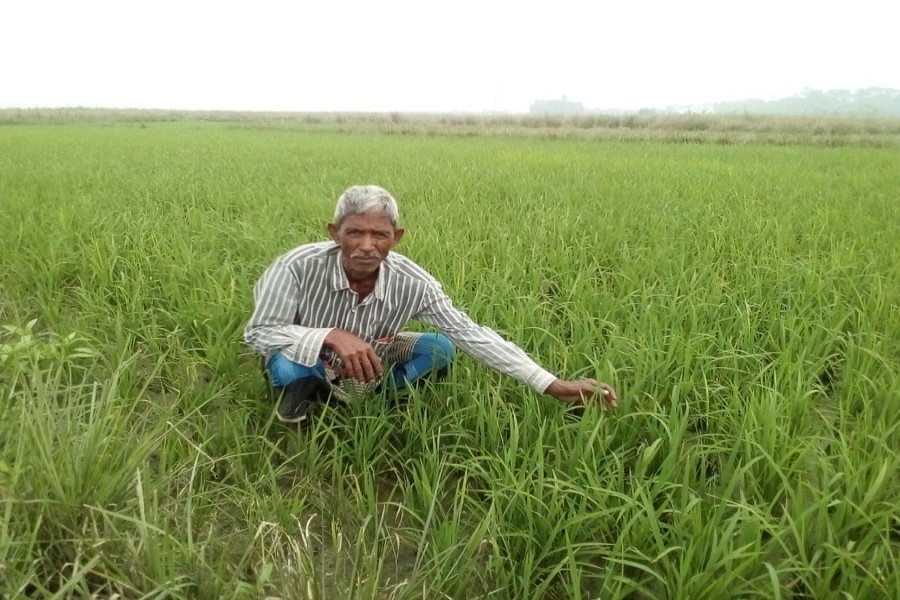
446	350
438	347
282	371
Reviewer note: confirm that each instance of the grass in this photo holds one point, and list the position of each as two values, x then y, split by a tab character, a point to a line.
743	299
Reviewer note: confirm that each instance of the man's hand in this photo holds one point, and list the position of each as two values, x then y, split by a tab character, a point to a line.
583	391
358	359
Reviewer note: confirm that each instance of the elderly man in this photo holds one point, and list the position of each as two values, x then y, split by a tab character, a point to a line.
329	318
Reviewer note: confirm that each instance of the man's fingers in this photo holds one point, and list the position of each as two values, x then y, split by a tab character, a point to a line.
352	368
358	360
368	369
365	372
364	368
609	396
584	391
377	371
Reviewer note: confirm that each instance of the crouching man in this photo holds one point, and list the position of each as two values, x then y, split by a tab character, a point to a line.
329	318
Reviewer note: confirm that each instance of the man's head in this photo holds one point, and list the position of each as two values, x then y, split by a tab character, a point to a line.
365	226
364	200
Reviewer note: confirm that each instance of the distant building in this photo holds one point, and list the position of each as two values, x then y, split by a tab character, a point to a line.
564	106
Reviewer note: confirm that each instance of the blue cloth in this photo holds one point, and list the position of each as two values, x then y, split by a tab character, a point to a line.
431	352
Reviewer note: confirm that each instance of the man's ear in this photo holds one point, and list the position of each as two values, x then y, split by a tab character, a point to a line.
398	233
333	231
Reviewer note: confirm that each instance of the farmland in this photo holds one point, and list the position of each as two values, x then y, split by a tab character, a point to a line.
743	298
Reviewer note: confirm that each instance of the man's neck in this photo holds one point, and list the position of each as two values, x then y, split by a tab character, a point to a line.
362	285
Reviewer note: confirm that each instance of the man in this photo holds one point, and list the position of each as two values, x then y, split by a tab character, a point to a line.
329	318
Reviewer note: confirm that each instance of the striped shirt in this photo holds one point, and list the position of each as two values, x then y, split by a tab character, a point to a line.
305	294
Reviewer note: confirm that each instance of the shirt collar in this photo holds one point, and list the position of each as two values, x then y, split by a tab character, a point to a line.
338	277
384	272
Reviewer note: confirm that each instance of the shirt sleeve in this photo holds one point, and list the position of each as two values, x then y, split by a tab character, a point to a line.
271	328
482	343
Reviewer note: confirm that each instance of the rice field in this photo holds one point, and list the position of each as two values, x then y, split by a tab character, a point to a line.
744	301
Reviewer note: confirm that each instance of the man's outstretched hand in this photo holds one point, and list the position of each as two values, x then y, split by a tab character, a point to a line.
583	391
358	359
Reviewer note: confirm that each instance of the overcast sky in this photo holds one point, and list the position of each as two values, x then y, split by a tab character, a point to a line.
439	55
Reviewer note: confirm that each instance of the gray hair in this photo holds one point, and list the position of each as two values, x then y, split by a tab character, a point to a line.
366	199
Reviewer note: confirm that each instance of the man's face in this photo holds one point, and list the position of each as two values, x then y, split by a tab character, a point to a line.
365	242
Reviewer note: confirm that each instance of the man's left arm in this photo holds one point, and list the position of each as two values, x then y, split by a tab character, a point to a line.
488	347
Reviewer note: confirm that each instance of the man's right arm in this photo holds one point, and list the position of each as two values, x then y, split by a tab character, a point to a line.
271	328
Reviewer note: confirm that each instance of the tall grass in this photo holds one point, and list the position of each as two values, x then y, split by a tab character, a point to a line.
742	299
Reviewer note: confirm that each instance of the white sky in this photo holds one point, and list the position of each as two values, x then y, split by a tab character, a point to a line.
438	55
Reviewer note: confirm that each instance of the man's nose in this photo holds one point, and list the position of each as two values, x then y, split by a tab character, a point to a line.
367	243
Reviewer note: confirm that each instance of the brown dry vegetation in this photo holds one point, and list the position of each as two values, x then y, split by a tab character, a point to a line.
673	128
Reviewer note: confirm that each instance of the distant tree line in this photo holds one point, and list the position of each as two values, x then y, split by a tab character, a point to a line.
880	102
868	102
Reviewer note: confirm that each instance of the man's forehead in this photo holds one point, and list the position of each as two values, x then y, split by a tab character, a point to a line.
367	221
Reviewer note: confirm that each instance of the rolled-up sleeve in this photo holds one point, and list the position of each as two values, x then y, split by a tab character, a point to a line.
272	328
